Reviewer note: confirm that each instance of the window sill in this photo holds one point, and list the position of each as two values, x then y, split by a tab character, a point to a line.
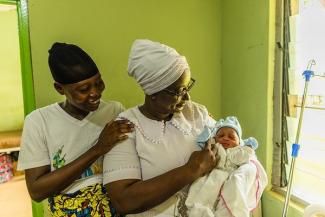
294	199
273	201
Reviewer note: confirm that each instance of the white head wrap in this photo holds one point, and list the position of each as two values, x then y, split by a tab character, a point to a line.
155	66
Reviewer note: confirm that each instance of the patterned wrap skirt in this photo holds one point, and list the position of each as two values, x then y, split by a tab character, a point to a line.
90	201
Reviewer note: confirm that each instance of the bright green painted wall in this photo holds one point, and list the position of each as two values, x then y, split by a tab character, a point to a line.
248	43
234	37
245	71
106	29
11	107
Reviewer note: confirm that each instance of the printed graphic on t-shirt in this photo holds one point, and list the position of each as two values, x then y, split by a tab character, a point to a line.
59	160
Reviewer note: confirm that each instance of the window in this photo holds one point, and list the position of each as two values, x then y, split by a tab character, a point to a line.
305	43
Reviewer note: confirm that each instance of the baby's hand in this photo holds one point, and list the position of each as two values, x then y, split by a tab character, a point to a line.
239	155
251	142
222	155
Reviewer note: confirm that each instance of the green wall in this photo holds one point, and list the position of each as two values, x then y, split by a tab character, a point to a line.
11	107
248	45
106	30
246	82
234	37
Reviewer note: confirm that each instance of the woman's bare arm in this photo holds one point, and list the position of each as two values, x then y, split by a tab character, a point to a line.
134	196
42	183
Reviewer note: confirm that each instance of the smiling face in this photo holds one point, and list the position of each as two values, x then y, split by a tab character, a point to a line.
82	97
170	100
173	98
227	137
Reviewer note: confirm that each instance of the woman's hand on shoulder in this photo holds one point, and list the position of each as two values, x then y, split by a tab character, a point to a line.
113	132
202	162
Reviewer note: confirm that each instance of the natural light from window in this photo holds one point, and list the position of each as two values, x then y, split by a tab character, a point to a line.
309	178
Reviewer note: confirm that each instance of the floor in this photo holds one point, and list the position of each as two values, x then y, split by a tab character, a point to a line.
14	198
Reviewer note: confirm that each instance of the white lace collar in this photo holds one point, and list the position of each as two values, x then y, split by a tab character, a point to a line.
154	130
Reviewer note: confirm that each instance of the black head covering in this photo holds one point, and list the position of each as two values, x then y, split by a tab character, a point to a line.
70	64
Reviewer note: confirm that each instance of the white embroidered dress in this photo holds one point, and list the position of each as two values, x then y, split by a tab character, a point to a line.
156	147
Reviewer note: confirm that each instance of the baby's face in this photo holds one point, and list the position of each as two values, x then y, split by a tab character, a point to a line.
227	137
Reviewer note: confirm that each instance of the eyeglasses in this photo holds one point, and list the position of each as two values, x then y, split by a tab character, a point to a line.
183	91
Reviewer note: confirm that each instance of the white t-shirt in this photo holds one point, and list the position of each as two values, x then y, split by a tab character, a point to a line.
156	147
52	137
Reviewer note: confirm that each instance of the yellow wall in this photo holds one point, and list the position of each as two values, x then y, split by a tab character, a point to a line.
11	106
106	30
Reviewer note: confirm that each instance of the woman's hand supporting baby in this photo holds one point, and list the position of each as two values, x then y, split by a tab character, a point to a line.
134	196
202	162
